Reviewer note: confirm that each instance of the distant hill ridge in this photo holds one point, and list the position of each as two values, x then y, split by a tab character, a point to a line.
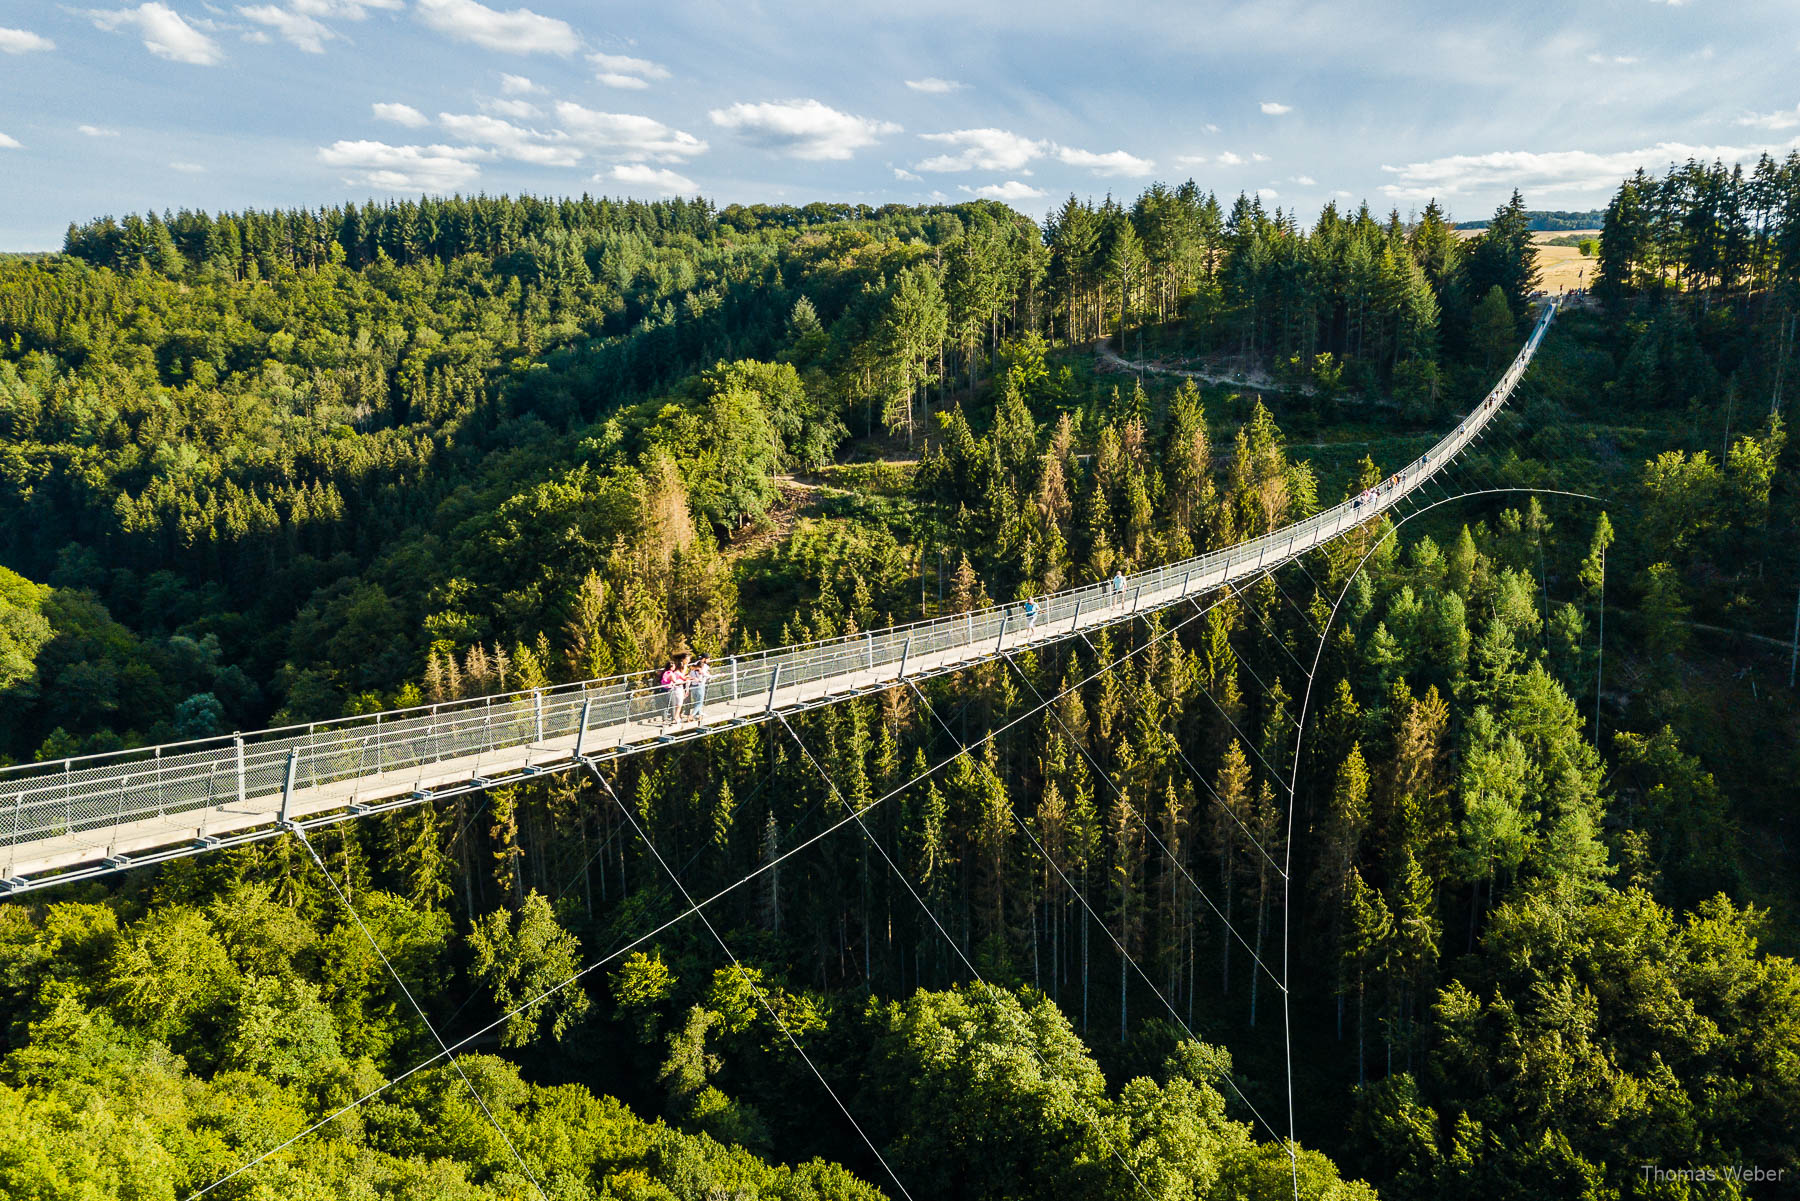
1548	220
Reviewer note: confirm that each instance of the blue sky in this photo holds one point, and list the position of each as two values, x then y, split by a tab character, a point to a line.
199	103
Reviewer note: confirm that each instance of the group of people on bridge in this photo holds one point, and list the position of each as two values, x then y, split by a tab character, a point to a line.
682	678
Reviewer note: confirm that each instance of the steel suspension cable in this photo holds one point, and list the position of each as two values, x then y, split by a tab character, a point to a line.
418	1009
744	975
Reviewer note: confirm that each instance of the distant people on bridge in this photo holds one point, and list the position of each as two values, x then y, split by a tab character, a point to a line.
697	678
1031	614
1118	588
674	685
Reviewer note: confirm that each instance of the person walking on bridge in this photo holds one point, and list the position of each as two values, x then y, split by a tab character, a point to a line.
1118	588
674	684
1031	614
697	678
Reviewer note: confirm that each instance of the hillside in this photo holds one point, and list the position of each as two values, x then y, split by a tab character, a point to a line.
266	467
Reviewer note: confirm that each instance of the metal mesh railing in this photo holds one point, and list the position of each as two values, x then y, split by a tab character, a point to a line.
245	777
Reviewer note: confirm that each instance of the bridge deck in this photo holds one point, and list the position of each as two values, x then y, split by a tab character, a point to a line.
81	817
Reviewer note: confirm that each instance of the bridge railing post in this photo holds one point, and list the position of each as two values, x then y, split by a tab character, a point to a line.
238	740
905	650
537	703
774	679
1000	641
287	787
581	726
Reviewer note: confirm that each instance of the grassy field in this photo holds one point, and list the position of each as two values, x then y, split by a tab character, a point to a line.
1562	267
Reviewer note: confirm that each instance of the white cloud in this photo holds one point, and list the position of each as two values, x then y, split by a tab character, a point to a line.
908	176
934	85
1011	192
617	67
96	131
1259	158
625	134
1268	194
512	141
983	150
521	110
1786	118
351	10
1113	162
166	34
520	31
1306	181
517	85
399	114
1229	159
1190	160
654	179
1271	108
22	41
1210	127
402	168
188	168
1560	173
803	129
1622	60
303	31
10	143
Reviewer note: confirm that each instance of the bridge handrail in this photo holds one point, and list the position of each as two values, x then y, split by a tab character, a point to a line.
239	761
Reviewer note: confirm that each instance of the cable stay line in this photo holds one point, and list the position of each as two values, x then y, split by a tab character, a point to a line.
1149	829
693	908
418	1009
924	907
1125	955
744	975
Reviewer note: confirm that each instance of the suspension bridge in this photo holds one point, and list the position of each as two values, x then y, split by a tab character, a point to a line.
76	818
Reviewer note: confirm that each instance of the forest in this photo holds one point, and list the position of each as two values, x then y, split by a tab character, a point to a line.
1538	924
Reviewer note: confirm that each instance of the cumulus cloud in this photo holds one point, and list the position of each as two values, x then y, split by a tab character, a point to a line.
517	85
934	85
23	41
903	174
1621	60
522	110
1268	194
653	179
96	131
1010	192
1210	127
1259	158
512	141
803	129
518	31
982	150
625	134
1559	172
1113	162
624	71
1786	118
402	168
399	114
1190	160
1272	108
1229	159
1306	181
308	33
8	142
188	168
164	31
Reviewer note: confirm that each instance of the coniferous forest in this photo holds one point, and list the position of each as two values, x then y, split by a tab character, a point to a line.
1538	920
